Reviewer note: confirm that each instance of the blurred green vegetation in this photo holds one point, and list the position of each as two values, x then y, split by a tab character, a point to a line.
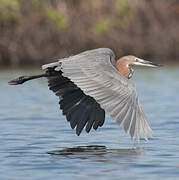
37	31
57	17
101	26
9	9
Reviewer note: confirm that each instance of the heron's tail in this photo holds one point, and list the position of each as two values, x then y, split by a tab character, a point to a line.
51	65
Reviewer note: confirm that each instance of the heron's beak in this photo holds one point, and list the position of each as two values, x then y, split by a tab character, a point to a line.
141	62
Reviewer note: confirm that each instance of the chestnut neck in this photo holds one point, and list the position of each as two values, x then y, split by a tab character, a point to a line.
123	68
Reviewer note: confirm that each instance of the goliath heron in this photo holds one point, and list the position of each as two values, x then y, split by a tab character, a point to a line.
92	83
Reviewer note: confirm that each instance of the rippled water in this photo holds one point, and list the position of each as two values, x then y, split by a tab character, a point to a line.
36	142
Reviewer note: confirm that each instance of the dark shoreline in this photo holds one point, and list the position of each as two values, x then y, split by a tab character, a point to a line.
37	32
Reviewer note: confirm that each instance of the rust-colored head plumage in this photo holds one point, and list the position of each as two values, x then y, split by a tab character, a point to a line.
124	64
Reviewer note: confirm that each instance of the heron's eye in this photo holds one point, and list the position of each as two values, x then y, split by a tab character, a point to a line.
136	60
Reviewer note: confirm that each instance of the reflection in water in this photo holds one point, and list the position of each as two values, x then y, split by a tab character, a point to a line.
98	153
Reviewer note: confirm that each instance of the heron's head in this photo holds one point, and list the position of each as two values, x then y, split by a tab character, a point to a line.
124	64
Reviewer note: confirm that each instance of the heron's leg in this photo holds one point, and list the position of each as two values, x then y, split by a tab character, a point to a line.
20	80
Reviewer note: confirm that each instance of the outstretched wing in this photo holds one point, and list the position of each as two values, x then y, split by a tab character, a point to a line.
94	72
80	109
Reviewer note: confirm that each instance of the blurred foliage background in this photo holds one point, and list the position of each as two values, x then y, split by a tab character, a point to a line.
38	31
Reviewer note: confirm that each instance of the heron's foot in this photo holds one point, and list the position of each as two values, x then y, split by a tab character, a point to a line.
19	80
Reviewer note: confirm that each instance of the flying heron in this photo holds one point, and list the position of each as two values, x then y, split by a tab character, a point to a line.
92	83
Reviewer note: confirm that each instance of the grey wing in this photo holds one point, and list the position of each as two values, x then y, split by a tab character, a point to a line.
95	74
80	110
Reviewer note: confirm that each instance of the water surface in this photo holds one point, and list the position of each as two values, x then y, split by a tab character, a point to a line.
36	142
